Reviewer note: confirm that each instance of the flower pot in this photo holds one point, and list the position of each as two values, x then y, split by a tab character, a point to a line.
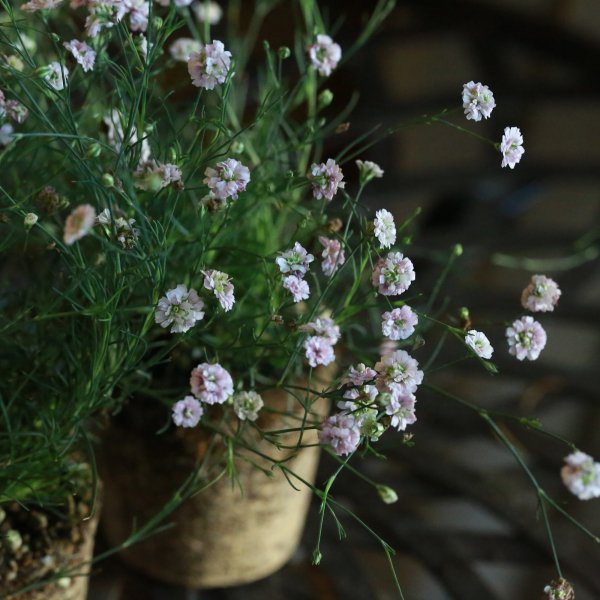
45	546
230	533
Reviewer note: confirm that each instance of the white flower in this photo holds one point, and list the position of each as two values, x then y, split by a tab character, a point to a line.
208	12
247	404
478	101
479	343
368	170
182	48
324	55
581	475
385	228
181	308
82	53
79	223
56	75
511	147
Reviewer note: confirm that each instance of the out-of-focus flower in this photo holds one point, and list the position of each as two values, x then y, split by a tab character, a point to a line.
368	170
333	255
541	294
56	75
297	287
207	11
79	223
581	475
326	178
82	53
324	54
187	412
182	48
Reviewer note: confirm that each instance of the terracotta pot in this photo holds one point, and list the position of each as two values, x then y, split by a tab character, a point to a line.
228	534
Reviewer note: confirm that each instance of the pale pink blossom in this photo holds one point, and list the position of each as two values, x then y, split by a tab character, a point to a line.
181	308
82	53
220	284
139	11
333	255
16	111
401	407
227	179
511	147
399	323
359	375
324	54
385	228
247	405
478	101
35	5
182	48
398	372
211	383
326	178
341	432
393	274
581	475
187	412
541	294
104	14
295	261
324	327
207	11
210	66
318	350
479	343
154	176
79	223
358	398
368	170
297	287
526	338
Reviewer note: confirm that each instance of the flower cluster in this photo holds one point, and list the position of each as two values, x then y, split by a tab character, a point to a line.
210	65
294	265
319	346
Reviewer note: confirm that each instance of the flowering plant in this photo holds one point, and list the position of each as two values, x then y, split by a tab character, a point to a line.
175	231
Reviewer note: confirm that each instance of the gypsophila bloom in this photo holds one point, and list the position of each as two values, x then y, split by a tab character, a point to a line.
153	176
104	14
16	111
357	399
478	342
541	295
247	404
526	338
79	223
182	48
227	179
398	373
220	284
341	432
56	75
139	11
560	589
511	147
30	220
318	350
187	412
181	308
324	327
326	179
297	287
399	323
581	475
208	12
393	275
359	375
178	3
211	384
324	54
385	228
6	134
478	101
127	234
401	407
210	65
35	5
82	53
333	255
295	261
368	170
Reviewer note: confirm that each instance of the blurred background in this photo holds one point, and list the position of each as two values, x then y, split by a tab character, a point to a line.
466	526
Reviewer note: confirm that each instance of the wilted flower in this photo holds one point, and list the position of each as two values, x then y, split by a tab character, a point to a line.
220	284
297	287
227	178
541	294
560	589
207	11
385	228
181	308
399	323
341	432
581	475
82	53
187	412
478	101
333	255
79	223
295	261
326	178
210	65
16	111
398	372
247	404
318	350
511	147
526	338
324	54
478	342
393	274
56	75
211	384
182	48
368	170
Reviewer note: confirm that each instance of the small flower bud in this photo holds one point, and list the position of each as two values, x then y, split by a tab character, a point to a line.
387	494
64	582
94	151
30	220
15	62
13	540
316	557
172	156
457	250
237	147
325	98
158	22
107	180
284	52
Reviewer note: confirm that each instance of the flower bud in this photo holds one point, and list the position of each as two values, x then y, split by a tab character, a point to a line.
325	98
316	557
94	151
30	220
457	250
387	494
107	180
284	52
13	540
237	147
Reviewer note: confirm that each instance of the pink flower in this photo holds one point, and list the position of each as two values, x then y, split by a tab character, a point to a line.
153	176
220	284
210	66
227	179
511	147
16	111
478	101
341	432
323	327
541	294
297	287
79	223
526	338
399	324
180	307
478	342
333	255
295	261
385	228
326	178
139	11
398	372
401	407
581	475
187	412
319	350
359	375
393	275
211	384
324	55
35	5
82	53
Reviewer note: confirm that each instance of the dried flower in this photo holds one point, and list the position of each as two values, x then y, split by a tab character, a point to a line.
326	179
79	223
478	101
341	432
324	55
211	384
295	261
333	255
393	275
227	179
581	475
297	287
541	294
399	323
560	589
209	66
82	53
220	284
385	228
246	405
511	147
181	308
187	412
526	338
478	342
